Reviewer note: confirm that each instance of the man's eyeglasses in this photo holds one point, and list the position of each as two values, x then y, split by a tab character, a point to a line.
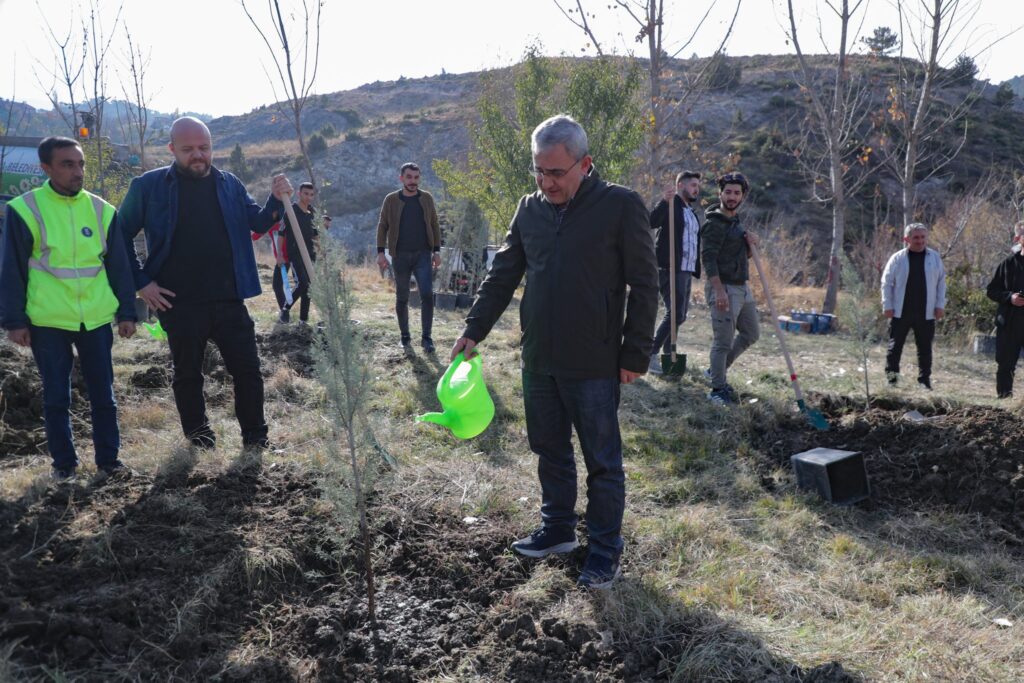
554	173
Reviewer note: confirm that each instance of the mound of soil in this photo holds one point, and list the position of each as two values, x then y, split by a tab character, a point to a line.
965	458
231	576
290	344
153	377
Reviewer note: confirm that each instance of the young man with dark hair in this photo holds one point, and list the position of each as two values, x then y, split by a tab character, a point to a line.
724	253
689	216
408	228
199	270
304	214
64	278
913	298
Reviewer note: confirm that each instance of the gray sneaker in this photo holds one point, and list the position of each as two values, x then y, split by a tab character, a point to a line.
655	365
62	474
599	572
547	541
723	397
707	374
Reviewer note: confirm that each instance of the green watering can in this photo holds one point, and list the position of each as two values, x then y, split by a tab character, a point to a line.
156	331
468	407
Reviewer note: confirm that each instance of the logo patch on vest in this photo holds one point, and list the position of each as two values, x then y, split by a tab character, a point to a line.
87	231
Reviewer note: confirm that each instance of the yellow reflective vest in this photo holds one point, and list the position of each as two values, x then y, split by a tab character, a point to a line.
67	281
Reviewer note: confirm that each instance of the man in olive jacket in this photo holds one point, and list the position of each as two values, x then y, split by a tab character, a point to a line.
408	228
580	242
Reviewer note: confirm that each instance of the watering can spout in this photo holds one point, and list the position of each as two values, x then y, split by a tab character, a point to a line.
442	419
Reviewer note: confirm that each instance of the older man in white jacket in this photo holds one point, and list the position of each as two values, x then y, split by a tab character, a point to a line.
913	298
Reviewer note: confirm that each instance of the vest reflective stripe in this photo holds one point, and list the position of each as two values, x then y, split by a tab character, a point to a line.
43	262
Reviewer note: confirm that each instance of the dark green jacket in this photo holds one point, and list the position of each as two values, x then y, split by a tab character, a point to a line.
576	318
723	249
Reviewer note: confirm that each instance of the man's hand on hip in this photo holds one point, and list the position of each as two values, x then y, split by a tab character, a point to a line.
20	337
628	376
155	296
464	345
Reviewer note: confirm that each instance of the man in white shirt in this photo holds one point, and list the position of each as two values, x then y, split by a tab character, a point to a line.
913	298
685	198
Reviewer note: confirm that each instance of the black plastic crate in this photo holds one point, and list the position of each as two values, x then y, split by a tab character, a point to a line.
840	477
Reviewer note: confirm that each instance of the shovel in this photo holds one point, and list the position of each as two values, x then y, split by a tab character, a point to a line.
816	419
672	364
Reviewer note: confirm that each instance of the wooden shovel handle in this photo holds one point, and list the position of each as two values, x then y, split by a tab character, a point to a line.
297	233
775	318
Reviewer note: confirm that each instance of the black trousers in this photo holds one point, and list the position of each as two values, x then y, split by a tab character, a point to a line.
301	293
924	335
1009	342
278	283
408	264
227	323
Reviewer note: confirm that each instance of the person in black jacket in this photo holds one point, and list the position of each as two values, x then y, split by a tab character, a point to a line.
304	215
1007	288
689	217
725	248
581	242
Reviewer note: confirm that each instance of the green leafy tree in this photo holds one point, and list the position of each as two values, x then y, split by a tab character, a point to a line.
600	94
964	70
238	164
317	144
882	41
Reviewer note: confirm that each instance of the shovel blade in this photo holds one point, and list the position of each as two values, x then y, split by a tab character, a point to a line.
815	417
675	368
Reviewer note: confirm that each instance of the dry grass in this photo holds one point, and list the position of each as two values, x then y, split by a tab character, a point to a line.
740	576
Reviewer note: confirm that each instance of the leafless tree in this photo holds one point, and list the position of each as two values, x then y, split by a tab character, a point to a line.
67	70
81	73
96	87
289	58
10	126
649	18
922	135
136	103
929	133
832	151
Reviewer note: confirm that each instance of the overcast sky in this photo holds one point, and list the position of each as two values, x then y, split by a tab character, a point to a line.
207	57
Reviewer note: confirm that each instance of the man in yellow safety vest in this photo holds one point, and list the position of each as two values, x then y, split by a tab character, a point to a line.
64	277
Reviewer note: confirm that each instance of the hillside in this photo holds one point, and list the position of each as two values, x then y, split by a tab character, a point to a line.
752	125
1017	85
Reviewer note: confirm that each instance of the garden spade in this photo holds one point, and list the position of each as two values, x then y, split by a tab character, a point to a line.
672	364
816	419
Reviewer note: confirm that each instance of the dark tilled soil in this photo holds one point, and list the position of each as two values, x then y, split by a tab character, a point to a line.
969	459
289	344
21	405
230	576
172	578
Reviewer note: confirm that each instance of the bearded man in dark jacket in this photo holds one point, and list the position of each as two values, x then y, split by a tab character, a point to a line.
581	242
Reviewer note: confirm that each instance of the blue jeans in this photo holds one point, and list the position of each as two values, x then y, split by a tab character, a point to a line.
554	405
418	265
52	350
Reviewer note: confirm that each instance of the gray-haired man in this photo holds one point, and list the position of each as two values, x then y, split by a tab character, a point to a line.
580	241
913	298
